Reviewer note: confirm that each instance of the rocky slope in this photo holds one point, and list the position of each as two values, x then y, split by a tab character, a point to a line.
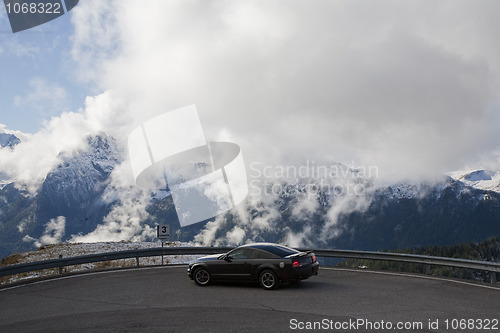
73	190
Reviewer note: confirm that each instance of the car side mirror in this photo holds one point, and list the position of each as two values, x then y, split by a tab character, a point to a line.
227	258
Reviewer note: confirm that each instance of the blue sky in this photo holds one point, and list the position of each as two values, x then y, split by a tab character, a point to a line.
37	79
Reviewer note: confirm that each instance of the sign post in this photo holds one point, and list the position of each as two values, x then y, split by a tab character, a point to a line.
163	233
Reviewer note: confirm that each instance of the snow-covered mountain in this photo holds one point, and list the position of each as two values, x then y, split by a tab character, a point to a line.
72	192
340	209
480	179
8	140
75	187
393	217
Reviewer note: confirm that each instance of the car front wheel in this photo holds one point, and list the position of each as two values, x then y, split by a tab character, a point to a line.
268	279
201	277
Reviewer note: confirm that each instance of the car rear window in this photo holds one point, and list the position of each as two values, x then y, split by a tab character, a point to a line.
280	250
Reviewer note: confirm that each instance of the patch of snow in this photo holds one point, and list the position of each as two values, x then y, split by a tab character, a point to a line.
404	191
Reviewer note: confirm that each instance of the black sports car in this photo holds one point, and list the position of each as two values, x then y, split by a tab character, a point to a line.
267	263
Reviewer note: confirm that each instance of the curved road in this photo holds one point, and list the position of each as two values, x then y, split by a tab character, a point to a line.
163	299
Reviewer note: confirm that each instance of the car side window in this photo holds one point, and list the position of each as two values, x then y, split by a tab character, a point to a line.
238	254
245	253
249	253
259	254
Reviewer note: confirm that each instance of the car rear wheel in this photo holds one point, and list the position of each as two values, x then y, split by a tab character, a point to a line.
268	279
201	277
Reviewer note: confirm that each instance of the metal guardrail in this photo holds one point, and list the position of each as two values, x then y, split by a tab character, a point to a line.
90	258
491	267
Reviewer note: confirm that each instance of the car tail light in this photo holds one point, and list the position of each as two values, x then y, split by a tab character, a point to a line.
314	258
296	264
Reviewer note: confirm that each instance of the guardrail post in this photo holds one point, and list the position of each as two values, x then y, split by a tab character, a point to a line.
427	269
493	277
137	260
60	267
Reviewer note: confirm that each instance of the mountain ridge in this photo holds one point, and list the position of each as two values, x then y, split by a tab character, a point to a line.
74	197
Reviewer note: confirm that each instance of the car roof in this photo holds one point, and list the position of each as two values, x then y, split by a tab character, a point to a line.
262	245
281	250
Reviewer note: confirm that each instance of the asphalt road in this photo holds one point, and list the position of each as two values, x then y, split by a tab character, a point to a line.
163	299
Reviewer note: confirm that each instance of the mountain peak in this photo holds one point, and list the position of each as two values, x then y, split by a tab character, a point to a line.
480	179
8	140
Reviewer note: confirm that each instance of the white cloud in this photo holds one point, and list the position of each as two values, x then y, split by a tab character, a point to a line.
38	153
207	236
235	236
54	231
95	36
29	239
342	205
53	234
42	96
125	221
388	85
21	226
306	206
299	239
33	158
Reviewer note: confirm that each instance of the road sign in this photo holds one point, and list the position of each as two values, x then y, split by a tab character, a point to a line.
163	231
